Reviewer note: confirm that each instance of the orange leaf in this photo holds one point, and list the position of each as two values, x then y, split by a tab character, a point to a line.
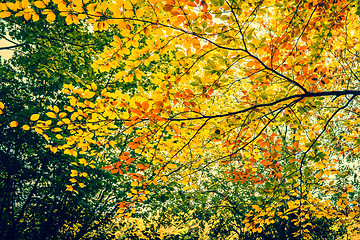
136	111
145	106
143	167
129	161
277	148
191	4
122	157
189	91
138	104
157	110
107	168
117	171
134	145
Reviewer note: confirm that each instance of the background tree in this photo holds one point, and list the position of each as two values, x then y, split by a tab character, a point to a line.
34	200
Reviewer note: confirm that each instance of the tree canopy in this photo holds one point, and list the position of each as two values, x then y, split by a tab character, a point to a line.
252	103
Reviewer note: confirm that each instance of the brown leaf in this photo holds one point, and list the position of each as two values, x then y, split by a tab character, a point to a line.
168	7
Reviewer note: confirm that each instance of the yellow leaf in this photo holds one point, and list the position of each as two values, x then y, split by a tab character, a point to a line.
39	131
62	114
128	5
84	174
11	6
125	32
51	17
69	188
75	19
66	121
53	149
56	109
171	165
72	180
352	214
68	20
26	127
74	173
73	116
58	136
34	117
14	124
25	4
134	184
83	161
39	4
256	207
88	94
74	153
27	16
1	105
82	16
129	14
51	115
5	14
35	17
93	86
164	178
81	185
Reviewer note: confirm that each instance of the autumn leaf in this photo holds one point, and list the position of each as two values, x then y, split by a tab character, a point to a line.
168	7
74	173
142	166
14	124
34	117
26	127
88	94
73	180
51	115
39	4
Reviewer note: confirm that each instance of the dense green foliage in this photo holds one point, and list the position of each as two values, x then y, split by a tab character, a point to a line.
34	203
